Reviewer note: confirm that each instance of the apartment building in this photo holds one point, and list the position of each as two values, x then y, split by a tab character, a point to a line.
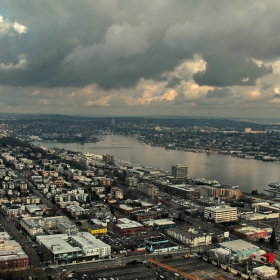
148	189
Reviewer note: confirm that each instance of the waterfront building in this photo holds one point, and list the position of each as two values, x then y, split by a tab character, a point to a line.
182	190
222	192
108	158
221	213
179	171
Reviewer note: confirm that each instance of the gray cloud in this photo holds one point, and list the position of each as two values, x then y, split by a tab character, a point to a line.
173	82
116	43
230	69
219	93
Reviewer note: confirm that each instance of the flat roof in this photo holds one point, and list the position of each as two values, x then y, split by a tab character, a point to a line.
88	241
163	222
238	245
130	225
221	208
57	243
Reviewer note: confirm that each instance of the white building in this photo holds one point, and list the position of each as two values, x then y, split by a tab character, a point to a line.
190	237
75	248
221	213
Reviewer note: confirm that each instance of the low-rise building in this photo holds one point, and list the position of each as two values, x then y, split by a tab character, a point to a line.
81	247
239	249
190	237
128	227
12	257
35	225
164	223
148	189
96	230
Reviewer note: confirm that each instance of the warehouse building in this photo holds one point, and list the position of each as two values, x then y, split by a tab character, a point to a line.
239	249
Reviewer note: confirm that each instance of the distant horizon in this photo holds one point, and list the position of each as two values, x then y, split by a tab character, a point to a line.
244	119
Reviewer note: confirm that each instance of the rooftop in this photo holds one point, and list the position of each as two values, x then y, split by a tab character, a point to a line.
238	245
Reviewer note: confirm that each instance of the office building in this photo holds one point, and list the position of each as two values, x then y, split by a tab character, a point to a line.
179	171
221	213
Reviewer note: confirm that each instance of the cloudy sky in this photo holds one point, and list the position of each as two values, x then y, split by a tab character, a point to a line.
150	57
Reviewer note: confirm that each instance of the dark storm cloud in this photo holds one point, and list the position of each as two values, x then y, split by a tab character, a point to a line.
173	82
230	69
276	95
116	43
218	93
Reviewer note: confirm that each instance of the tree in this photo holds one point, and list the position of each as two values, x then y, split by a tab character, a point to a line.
261	240
272	240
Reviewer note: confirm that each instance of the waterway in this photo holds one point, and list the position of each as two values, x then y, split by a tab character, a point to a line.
248	174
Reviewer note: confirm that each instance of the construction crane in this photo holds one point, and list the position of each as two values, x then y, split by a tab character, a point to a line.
182	273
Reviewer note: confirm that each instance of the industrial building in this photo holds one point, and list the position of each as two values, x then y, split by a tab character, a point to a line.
235	250
221	213
81	247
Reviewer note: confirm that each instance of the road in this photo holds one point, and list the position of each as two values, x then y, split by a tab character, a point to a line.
121	260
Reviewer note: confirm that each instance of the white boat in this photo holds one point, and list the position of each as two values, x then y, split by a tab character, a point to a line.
274	185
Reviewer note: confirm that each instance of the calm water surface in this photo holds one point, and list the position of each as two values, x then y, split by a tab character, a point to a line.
247	174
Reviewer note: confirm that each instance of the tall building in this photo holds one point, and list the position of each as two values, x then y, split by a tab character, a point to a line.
145	121
179	171
108	158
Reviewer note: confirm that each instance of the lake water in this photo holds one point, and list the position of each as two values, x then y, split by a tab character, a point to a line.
248	174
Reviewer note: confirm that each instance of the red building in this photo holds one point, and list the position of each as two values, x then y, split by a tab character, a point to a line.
129	228
13	262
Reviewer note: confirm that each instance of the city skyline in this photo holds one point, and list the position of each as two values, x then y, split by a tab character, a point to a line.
144	58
